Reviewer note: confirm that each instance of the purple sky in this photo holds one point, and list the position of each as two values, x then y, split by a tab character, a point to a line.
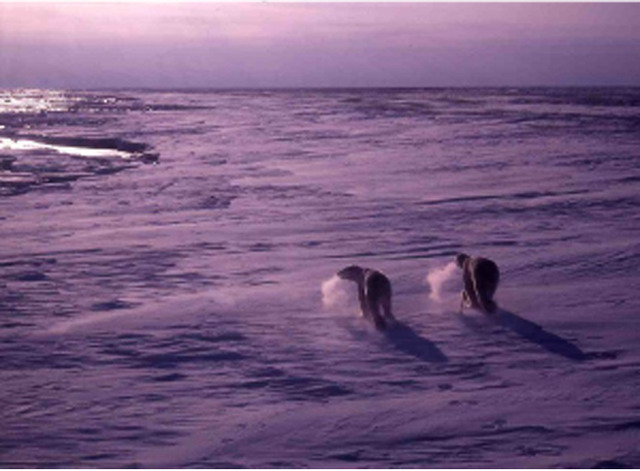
318	44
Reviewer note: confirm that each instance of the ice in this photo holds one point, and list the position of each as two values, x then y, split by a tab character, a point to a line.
185	314
26	144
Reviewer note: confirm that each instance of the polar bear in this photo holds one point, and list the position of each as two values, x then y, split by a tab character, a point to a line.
374	294
481	277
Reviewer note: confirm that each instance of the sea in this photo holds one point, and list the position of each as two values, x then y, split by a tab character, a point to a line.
168	294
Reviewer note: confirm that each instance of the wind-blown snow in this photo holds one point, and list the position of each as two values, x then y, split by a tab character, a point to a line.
438	279
335	293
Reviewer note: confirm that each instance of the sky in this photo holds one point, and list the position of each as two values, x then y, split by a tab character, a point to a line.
253	45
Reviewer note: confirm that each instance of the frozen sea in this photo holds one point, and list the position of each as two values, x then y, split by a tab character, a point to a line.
166	263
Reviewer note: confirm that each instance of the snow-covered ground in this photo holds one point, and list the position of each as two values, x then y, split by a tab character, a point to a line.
186	314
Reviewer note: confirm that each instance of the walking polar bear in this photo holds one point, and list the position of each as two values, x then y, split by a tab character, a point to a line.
374	294
480	277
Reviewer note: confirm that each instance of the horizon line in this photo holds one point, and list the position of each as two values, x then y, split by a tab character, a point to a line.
309	88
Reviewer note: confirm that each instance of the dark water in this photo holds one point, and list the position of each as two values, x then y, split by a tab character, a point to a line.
163	254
